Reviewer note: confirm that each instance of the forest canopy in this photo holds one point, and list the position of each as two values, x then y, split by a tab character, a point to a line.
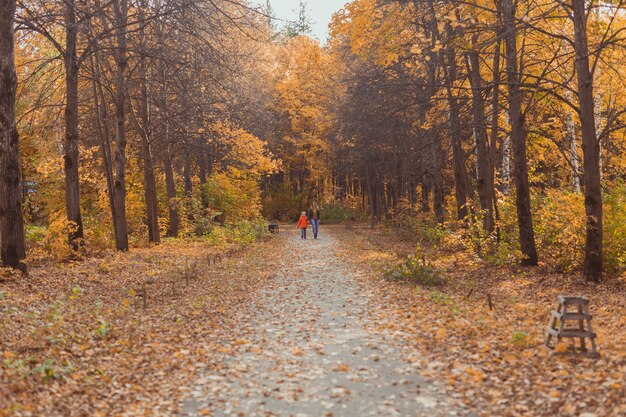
499	122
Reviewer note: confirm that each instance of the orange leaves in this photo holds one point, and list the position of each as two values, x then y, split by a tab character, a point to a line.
441	335
561	347
147	359
493	359
341	368
476	374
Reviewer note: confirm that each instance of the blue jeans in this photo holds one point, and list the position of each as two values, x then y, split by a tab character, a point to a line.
303	233
315	226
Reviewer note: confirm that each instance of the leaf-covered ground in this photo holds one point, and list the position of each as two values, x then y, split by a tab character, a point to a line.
312	348
493	359
290	327
76	340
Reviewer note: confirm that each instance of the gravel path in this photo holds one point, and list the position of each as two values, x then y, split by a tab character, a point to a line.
307	349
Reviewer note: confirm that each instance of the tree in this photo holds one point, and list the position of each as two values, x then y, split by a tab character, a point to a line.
41	19
12	248
518	135
591	147
302	25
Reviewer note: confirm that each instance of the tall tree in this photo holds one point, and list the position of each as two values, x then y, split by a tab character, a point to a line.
70	159
518	135
483	166
120	8
591	147
12	248
42	19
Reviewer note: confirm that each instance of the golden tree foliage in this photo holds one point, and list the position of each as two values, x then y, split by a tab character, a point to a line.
303	89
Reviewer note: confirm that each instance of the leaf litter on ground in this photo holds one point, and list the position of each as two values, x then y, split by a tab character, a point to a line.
483	331
76	340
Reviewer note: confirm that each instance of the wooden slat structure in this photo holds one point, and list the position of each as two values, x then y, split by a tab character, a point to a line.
572	310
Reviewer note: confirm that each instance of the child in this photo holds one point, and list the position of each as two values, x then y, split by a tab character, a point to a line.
302	224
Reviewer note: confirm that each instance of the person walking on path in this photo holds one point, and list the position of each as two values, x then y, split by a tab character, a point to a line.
303	223
314	218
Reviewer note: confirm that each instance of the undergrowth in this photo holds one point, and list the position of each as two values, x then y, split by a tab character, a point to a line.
418	271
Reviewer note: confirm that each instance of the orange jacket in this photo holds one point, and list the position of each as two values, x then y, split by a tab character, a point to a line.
303	222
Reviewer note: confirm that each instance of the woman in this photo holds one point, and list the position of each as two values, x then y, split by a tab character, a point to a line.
314	218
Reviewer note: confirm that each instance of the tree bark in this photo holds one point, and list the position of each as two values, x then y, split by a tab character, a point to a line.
12	247
145	132
70	159
170	186
121	231
461	182
570	128
592	270
103	132
484	177
518	138
505	172
495	124
187	172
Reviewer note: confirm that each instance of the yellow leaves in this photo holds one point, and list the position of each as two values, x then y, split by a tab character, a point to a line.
246	151
374	31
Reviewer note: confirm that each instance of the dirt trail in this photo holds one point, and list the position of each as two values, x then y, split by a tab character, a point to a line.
309	350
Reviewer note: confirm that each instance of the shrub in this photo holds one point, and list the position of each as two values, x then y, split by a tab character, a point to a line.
418	271
615	228
234	196
520	339
242	233
559	224
337	212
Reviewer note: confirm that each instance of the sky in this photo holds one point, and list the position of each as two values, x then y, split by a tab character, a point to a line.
320	11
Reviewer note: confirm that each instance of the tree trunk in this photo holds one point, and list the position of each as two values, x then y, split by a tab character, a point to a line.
484	177
170	185
202	164
518	138
103	132
505	172
121	231
591	148
495	125
12	248
150	192
187	172
70	159
145	132
461	182
439	195
570	128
